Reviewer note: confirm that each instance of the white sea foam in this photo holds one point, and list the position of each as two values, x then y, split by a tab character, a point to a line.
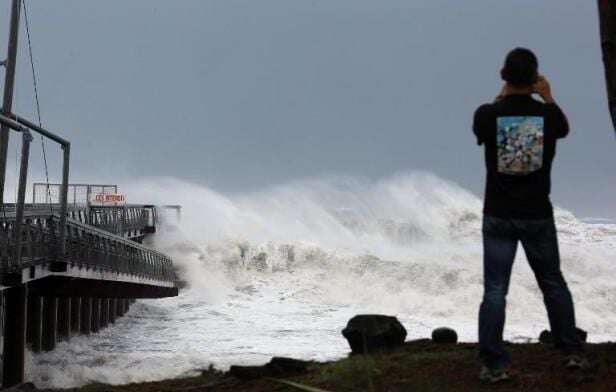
279	272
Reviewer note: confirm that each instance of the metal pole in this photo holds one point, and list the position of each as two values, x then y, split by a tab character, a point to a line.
9	83
32	126
21	194
64	197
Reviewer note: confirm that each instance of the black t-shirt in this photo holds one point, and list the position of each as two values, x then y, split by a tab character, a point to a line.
520	135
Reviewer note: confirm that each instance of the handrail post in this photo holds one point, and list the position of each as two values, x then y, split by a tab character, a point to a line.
66	148
88	209
21	194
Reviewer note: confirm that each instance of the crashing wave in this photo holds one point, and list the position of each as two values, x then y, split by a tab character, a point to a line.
279	272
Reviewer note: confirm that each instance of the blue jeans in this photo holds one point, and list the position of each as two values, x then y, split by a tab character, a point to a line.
540	243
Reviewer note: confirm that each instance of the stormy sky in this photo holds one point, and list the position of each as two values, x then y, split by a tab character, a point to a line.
241	95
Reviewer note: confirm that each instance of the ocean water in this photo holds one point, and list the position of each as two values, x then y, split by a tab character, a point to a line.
280	272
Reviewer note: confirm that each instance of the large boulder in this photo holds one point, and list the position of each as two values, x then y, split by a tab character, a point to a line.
368	333
444	335
546	336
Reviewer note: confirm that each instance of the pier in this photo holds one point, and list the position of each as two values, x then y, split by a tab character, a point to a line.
52	290
73	261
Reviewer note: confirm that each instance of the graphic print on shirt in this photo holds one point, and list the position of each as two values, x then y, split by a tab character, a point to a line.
519	142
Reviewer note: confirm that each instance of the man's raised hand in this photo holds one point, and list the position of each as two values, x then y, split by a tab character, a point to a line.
542	87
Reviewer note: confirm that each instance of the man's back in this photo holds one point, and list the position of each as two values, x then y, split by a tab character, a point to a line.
520	135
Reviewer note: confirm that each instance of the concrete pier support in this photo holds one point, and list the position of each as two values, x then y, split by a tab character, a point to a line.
35	326
75	315
104	312
50	323
96	315
15	322
113	310
86	315
64	318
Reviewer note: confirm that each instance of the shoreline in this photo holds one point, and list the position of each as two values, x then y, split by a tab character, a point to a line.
420	365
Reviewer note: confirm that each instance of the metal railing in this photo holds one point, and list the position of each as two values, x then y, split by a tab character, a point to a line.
19	124
97	248
77	193
84	246
37	244
35	234
129	220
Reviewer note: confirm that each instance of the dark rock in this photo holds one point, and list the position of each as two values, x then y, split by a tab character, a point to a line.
546	336
249	372
373	332
282	365
277	366
444	335
27	386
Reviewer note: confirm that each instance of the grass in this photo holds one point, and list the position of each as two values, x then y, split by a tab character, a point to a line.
417	366
359	372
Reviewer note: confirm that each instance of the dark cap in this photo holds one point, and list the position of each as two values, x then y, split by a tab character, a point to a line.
520	67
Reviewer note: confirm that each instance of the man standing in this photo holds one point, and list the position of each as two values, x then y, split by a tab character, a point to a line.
519	134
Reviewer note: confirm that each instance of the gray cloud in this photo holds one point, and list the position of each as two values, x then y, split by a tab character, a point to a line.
244	94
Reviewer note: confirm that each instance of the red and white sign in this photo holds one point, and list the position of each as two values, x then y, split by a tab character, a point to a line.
108	198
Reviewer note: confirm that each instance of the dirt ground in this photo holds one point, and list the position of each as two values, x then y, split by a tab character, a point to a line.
417	366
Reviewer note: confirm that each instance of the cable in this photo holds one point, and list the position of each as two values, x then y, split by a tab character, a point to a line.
38	106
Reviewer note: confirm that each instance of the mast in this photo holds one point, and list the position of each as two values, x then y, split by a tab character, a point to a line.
607	23
9	83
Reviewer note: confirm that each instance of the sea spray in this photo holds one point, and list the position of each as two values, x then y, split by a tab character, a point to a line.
281	270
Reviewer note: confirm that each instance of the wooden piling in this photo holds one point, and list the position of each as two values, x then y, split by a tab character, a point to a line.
15	322
64	318
120	305
35	327
96	315
50	323
86	315
113	310
75	315
104	312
